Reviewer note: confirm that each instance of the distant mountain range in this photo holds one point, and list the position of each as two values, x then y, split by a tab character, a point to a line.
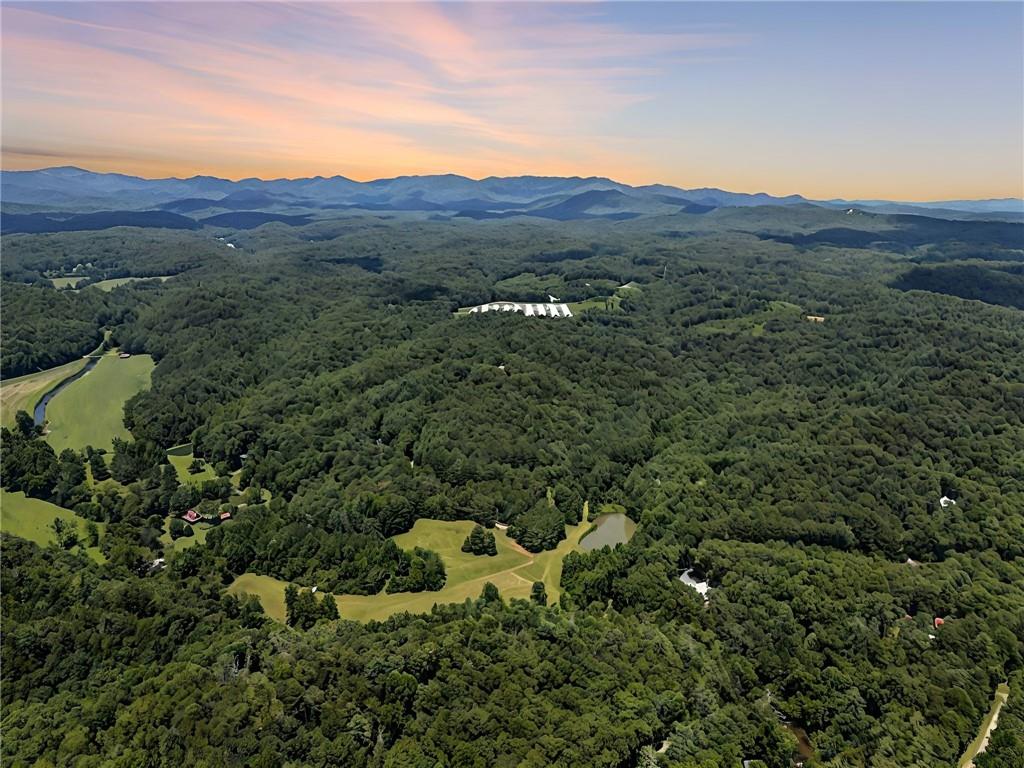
57	199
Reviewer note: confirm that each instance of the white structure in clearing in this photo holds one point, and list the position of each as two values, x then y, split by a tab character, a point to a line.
530	310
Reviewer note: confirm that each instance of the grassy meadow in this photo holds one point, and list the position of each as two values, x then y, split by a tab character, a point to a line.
116	282
31	519
91	410
513	571
22	393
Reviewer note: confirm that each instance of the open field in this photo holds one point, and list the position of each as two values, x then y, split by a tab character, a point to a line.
988	725
91	410
180	457
31	519
269	590
600	302
66	282
513	571
109	285
22	393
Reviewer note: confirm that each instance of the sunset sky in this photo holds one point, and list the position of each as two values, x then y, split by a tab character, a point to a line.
912	101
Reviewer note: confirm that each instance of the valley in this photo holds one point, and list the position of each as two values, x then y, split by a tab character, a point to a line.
704	483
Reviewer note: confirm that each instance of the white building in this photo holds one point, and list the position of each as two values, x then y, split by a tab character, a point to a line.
528	309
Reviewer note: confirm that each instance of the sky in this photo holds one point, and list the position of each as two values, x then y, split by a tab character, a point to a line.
907	101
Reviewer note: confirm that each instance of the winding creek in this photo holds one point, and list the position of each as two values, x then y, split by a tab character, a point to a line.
39	412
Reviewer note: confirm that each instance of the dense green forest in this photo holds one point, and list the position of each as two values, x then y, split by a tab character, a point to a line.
841	485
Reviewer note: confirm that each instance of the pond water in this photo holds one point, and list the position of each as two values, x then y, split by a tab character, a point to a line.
611	529
39	413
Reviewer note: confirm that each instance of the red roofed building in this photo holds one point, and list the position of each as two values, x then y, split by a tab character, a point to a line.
225	515
939	621
192	516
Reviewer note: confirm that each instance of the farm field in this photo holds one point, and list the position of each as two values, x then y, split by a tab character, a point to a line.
513	571
22	393
90	411
116	282
31	519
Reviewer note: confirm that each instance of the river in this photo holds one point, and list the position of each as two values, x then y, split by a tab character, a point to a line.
39	413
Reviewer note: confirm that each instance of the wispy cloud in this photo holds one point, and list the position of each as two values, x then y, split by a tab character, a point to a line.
752	96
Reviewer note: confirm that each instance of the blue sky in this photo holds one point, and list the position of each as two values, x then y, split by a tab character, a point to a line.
898	100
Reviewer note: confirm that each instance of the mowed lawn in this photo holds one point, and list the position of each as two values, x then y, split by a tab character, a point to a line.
513	571
91	410
32	519
22	393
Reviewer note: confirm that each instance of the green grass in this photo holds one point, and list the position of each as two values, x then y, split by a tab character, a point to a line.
513	571
199	533
91	410
109	285
180	457
269	590
975	747
66	282
31	519
22	393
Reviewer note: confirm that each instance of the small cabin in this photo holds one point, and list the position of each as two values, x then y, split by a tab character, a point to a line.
939	621
192	516
815	318
225	515
125	355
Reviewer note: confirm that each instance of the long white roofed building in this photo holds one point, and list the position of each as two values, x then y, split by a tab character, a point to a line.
528	309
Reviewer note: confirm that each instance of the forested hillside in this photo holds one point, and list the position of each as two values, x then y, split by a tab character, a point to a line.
781	409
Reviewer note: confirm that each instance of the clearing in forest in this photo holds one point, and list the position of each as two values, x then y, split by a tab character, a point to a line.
90	411
22	393
66	282
116	282
988	725
181	458
513	571
32	519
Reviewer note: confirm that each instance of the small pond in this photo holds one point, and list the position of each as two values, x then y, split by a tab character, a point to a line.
609	530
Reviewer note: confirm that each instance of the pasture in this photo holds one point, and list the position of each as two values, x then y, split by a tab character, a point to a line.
513	571
91	410
32	519
22	393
